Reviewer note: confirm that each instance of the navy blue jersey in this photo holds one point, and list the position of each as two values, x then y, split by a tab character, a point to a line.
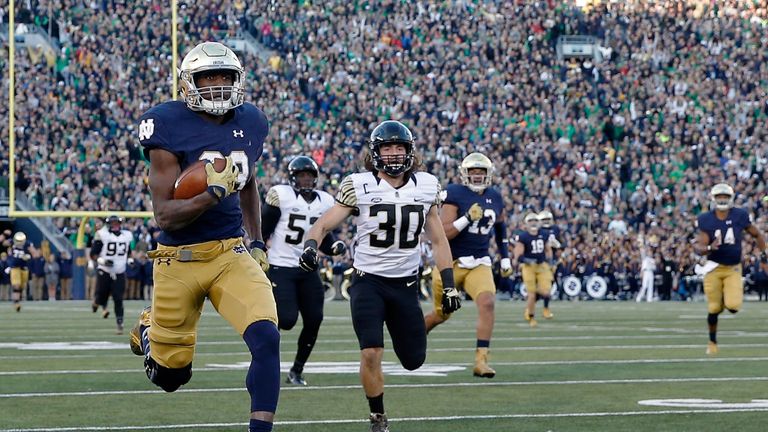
475	239
534	246
173	127
553	231
19	256
730	232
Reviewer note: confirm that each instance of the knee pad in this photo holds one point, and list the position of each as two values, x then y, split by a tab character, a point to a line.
712	319
166	378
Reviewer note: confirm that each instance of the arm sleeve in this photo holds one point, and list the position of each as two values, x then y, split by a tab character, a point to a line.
270	216
96	248
501	238
346	195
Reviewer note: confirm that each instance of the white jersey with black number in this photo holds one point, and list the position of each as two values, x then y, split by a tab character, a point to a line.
115	248
389	222
296	218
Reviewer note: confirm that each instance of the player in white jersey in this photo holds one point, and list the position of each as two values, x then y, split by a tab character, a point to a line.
393	204
111	249
286	218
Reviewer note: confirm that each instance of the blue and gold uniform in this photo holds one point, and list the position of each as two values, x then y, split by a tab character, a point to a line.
537	273
207	257
18	263
723	284
470	248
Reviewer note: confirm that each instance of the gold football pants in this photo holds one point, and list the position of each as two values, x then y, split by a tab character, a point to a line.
724	288
184	276
473	281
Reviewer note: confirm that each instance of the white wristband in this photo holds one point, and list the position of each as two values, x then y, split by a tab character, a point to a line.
461	223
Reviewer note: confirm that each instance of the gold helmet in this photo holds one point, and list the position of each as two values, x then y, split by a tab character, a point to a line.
726	194
215	100
476	183
532	222
546	219
19	239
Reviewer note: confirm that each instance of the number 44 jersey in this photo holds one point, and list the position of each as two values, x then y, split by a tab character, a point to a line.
389	221
296	218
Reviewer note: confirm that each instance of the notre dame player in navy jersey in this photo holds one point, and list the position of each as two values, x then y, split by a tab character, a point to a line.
18	264
287	216
533	251
471	213
201	252
393	203
552	233
719	238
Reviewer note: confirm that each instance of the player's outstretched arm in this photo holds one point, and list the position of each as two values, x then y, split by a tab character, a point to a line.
327	223
449	214
172	214
250	203
759	238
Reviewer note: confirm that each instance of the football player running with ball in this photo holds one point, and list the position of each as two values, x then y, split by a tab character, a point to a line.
393	203
471	213
719	239
201	253
288	215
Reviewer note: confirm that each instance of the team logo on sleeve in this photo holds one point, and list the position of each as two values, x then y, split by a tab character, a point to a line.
146	129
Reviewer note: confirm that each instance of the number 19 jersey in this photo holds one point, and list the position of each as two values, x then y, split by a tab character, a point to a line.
296	218
389	221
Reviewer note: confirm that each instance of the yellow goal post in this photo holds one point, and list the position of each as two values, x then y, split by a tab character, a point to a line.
79	255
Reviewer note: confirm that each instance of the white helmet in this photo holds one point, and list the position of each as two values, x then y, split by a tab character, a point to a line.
19	239
546	219
209	56
722	189
532	223
476	160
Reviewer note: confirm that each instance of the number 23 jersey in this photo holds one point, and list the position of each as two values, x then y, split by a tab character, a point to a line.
296	218
389	221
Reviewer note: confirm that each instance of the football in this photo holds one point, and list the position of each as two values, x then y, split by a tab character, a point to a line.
193	180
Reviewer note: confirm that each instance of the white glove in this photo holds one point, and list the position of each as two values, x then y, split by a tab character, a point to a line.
506	267
7	270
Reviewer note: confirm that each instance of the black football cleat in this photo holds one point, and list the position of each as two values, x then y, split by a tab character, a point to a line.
295	378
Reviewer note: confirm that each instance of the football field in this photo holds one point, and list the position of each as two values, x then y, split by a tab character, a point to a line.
597	366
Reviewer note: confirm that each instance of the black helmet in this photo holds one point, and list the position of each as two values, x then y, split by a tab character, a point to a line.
391	132
302	164
114	222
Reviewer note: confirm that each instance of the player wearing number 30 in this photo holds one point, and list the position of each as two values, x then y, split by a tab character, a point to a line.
201	252
719	238
393	204
289	213
471	213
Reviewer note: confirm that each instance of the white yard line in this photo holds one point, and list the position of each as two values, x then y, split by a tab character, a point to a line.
393	420
401	386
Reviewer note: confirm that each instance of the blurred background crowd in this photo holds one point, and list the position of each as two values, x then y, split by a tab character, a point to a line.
615	149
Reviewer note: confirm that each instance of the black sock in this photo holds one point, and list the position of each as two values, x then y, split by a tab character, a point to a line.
713	337
376	404
546	302
483	343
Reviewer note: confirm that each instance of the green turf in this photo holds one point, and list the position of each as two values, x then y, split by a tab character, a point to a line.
586	370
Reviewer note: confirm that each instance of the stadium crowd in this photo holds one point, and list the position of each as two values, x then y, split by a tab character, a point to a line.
619	148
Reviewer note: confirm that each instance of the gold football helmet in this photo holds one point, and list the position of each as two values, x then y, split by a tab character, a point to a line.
19	239
476	183
725	194
215	100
